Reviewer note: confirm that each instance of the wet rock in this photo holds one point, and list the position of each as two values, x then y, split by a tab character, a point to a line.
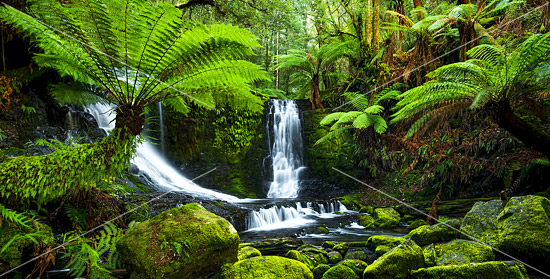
184	242
267	267
416	224
383	218
247	252
387	240
357	266
397	262
486	270
381	250
328	244
320	270
340	272
342	248
480	221
356	255
457	252
334	257
440	232
276	246
296	255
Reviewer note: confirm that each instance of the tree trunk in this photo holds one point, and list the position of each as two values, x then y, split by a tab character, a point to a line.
504	116
130	119
376	27
315	94
368	24
468	38
417	3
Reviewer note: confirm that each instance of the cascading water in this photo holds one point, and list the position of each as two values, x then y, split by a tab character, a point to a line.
149	161
286	150
161	128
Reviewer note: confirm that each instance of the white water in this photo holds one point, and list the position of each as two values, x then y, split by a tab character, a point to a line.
149	161
161	128
286	152
279	217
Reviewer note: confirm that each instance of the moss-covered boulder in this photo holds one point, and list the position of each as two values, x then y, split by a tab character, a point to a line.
184	242
387	240
334	257
457	252
524	230
356	255
486	270
275	246
440	232
318	256
416	224
480	221
247	252
397	263
267	267
340	272
383	218
322	230
381	250
357	266
328	244
342	248
320	270
296	255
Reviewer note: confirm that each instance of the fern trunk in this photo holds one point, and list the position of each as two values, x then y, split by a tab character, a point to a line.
130	119
468	38
502	113
315	94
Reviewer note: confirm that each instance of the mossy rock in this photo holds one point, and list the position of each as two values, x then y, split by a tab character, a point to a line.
524	230
440	232
296	255
184	242
267	267
480	221
396	263
381	250
486	270
247	252
387	240
328	244
457	252
386	218
416	224
334	257
367	221
367	209
340	272
275	246
322	230
356	255
320	270
357	266
342	248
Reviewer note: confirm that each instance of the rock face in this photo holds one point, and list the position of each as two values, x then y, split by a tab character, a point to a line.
268	267
486	270
441	232
396	263
481	220
457	252
184	242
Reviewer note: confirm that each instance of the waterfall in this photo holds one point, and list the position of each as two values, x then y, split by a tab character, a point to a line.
286	150
161	123
150	162
277	217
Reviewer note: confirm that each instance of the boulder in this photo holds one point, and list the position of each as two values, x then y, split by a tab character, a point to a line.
480	221
340	272
248	252
440	232
184	242
356	255
296	255
381	250
334	257
320	270
523	230
328	244
387	240
382	218
486	270
457	252
416	224
396	263
267	267
357	266
342	248
275	246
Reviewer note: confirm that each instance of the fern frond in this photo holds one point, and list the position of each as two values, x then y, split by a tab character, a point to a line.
333	134
329	119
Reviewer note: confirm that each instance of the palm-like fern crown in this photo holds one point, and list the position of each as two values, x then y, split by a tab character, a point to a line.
494	74
141	53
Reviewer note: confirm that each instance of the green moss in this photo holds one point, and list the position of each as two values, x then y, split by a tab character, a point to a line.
342	248
296	255
319	270
381	250
480	221
322	230
340	272
357	266
356	255
248	252
328	244
440	232
367	221
184	242
486	270
353	202
334	257
397	262
386	217
416	224
267	267
387	240
458	252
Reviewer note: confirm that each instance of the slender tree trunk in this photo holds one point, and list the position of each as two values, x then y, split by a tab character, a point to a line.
502	113
315	94
368	23
468	38
376	27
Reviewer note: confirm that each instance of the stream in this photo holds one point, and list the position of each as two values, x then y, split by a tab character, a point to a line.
282	213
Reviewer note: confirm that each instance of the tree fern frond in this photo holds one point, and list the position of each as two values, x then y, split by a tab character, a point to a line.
333	134
330	118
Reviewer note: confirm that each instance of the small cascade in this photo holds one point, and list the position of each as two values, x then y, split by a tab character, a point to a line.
161	127
286	150
278	217
150	162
